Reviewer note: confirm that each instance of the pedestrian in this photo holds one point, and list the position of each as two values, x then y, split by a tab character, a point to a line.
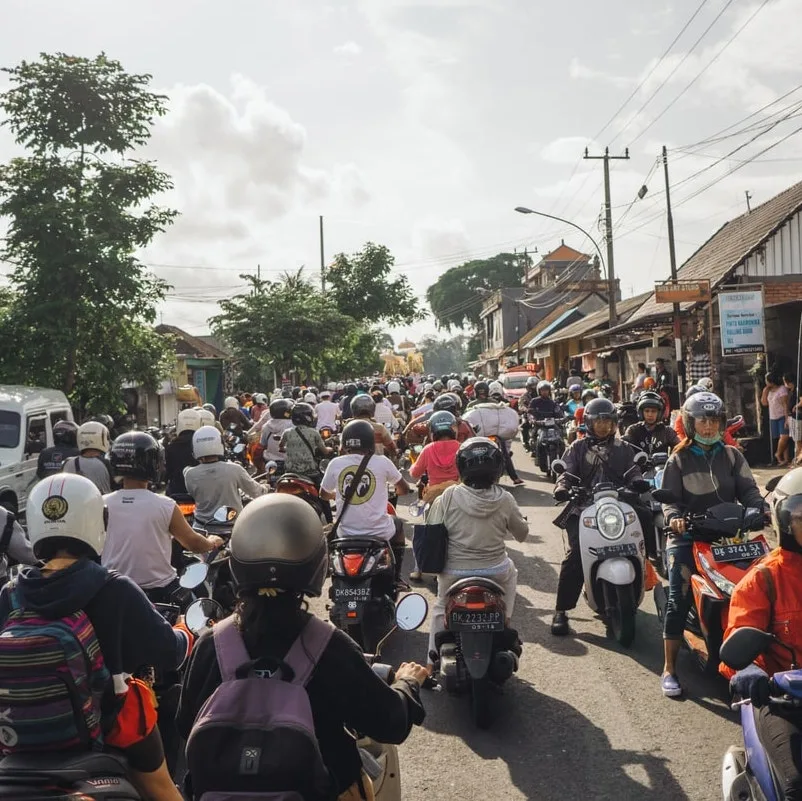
794	418
699	365
775	397
637	387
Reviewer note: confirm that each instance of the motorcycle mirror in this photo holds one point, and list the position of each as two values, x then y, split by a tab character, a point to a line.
238	449
411	611
664	496
641	458
201	613
194	575
558	467
225	514
743	646
772	483
324	463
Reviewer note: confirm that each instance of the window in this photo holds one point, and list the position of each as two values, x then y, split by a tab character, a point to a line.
9	429
517	381
57	417
36	439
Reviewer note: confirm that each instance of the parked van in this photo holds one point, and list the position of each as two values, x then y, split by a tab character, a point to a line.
27	417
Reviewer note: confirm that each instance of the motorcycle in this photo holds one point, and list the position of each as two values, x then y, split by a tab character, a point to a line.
722	555
476	652
548	443
656	537
613	550
746	772
237	447
209	575
306	490
627	415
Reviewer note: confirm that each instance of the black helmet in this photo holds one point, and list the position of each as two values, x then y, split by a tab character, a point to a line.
281	409
65	432
531	382
787	508
303	415
447	402
700	406
541	385
363	405
692	390
650	400
600	409
286	393
277	541
431	378
588	395
358	437
443	423
136	455
481	388
480	462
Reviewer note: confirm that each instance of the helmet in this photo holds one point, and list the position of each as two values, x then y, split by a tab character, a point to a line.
340	386
443	422
481	389
277	541
358	436
211	408
431	378
479	462
454	384
206	417
650	400
706	384
66	506
649	383
281	409
65	432
187	420
437	386
574	388
311	398
692	390
206	441
448	402
600	409
377	395
303	415
701	406
325	394
393	388
137	455
495	389
231	402
787	507
363	405
532	382
541	385
93	435
350	389
588	395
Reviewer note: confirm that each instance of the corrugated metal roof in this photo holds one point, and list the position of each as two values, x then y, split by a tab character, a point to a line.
553	326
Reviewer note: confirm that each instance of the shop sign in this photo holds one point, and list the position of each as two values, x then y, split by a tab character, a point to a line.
742	322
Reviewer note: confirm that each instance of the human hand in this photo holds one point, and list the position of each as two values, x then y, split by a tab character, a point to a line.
215	542
412	671
561	494
678	525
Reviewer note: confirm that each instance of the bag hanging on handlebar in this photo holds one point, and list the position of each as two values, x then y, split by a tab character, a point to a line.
430	546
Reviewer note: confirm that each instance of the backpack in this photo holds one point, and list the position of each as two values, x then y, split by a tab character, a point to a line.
254	737
52	680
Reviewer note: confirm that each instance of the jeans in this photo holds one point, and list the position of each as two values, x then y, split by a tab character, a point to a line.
681	567
779	732
572	577
507	452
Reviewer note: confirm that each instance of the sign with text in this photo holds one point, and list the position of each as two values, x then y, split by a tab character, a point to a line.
742	329
682	292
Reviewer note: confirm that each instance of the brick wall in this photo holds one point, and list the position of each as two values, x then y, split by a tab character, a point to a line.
782	291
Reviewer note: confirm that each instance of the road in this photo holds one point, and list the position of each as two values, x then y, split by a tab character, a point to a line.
583	718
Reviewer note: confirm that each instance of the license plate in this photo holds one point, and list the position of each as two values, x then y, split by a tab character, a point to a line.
352	592
738	551
620	549
476	621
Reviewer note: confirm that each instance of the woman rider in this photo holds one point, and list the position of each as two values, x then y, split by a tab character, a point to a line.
701	472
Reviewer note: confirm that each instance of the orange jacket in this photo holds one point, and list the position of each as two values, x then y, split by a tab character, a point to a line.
750	606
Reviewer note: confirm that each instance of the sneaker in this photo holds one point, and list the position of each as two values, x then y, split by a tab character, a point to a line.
559	625
518	482
415	575
671	686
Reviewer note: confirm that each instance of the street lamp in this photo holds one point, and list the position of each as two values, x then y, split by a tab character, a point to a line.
610	286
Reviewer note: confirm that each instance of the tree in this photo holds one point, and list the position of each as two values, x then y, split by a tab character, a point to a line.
78	210
456	297
361	287
442	355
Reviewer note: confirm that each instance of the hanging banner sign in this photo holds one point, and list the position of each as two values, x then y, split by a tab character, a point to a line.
742	322
682	292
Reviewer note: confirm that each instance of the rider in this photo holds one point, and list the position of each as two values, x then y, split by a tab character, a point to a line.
651	435
530	393
233	416
178	454
278	556
349	393
302	445
438	460
481	393
574	399
259	406
18	547
478	516
142	524
597	458
700	473
363	407
766	598
93	445
65	439
279	419
328	412
130	632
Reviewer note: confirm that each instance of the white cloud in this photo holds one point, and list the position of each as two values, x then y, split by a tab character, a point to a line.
349	48
566	149
579	71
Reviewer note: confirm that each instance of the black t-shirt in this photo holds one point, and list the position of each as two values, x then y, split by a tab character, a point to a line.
657	440
51	460
343	691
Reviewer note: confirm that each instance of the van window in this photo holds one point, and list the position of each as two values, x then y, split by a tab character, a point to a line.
515	380
58	416
9	429
36	439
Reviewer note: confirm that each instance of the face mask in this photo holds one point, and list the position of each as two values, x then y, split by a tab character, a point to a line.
708	440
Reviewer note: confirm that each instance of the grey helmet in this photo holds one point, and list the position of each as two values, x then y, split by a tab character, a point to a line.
362	404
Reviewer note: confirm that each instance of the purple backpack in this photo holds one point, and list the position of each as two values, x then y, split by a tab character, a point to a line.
254	738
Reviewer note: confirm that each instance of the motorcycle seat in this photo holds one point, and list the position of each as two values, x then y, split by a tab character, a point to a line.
475	581
66	767
358	542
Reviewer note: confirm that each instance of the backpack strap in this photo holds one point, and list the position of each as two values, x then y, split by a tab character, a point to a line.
307	649
229	647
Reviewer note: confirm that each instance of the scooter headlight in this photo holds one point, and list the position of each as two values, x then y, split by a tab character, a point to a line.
610	521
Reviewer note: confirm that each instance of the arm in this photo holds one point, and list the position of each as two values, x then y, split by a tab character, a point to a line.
571	458
387	441
749	606
764	396
251	488
188	538
401	486
517	524
328	484
746	490
672	481
19	548
672	438
40	465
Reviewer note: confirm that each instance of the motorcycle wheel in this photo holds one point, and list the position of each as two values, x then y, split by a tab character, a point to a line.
357	634
481	702
543	463
621	616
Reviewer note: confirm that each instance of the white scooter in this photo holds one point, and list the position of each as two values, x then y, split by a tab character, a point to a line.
613	551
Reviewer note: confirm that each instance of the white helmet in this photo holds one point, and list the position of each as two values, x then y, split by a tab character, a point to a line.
66	505
231	402
326	393
93	435
331	386
706	384
260	398
310	397
205	417
187	420
454	384
340	385
495	388
393	387
206	441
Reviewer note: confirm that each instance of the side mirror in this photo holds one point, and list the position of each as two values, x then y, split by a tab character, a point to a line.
664	496
558	467
743	646
201	614
225	514
194	575
772	483
641	458
238	449
411	611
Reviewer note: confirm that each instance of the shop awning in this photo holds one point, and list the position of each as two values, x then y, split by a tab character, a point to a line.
553	326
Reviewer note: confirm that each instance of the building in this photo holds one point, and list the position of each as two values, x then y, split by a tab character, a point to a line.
570	271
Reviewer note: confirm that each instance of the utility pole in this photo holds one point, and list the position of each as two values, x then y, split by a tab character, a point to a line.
748	204
322	260
608	224
672	254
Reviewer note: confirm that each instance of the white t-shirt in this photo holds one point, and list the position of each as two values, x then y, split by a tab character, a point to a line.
384	415
271	439
366	515
138	540
327	414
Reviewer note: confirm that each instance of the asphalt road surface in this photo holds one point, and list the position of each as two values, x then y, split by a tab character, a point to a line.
583	718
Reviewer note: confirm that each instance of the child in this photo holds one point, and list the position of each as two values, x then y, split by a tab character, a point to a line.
438	460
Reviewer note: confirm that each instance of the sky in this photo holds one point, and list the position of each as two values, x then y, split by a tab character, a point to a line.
422	124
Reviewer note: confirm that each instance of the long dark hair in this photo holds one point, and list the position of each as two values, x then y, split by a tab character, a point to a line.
261	615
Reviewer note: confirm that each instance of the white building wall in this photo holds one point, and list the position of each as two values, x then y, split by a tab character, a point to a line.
781	255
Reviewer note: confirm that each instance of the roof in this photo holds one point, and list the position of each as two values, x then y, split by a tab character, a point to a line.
728	247
597	319
565	253
14	396
553	326
187	345
547	320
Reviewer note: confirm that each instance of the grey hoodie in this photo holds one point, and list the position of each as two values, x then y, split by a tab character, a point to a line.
477	522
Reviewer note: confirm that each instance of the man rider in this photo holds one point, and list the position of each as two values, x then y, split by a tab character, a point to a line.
481	393
178	454
363	407
651	435
596	458
541	407
232	416
530	393
65	438
93	444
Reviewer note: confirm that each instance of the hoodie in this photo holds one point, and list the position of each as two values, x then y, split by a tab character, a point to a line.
178	457
439	461
477	521
130	631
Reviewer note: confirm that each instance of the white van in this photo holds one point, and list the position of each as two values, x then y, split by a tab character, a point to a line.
27	417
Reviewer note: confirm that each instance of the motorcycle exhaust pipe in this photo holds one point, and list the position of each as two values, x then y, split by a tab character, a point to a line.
505	663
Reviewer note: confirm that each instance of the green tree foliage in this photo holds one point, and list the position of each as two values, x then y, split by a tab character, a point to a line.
456	297
445	355
361	287
77	211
